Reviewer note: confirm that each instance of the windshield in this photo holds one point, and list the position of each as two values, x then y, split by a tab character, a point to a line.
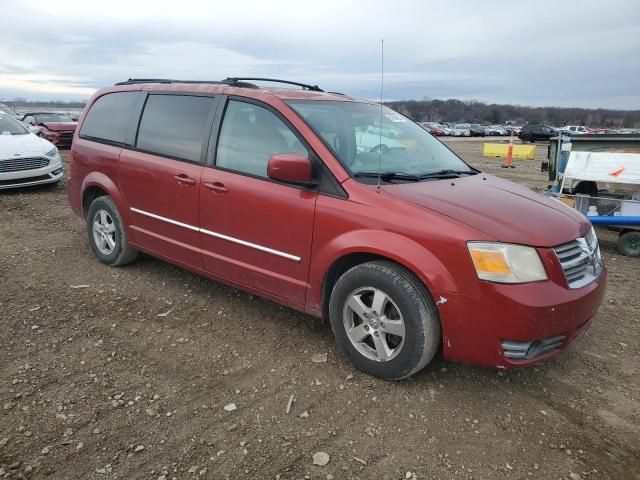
361	136
8	126
9	111
53	118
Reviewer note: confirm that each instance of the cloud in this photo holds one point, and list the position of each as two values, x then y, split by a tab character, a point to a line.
538	53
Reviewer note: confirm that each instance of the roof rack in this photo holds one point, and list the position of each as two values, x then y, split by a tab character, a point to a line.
134	81
231	81
236	81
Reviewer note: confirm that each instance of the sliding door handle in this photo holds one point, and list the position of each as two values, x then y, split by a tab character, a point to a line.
184	180
216	187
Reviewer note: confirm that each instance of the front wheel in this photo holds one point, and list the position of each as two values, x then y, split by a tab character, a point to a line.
384	320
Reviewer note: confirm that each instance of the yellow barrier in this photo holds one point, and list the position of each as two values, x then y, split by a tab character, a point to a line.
500	150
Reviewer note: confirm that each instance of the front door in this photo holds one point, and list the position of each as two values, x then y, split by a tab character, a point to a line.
161	177
256	231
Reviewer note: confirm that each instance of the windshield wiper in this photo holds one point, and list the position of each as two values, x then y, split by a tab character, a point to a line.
387	176
447	173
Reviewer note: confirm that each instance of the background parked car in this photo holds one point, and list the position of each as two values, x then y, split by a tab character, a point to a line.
8	110
499	130
448	128
511	128
375	138
462	131
55	127
433	128
26	159
578	130
531	133
477	130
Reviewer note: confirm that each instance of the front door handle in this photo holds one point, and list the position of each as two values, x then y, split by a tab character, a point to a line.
216	187
184	180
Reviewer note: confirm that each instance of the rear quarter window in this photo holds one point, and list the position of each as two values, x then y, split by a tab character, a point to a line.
108	118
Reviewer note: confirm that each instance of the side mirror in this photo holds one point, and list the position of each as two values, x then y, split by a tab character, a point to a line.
290	168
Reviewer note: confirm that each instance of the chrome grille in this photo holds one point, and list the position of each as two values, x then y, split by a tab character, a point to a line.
20	164
580	260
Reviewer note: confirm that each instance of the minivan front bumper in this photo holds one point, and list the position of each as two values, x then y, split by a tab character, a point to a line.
517	325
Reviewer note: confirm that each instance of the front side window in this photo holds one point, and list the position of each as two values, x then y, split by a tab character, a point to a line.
108	117
362	137
250	135
9	126
174	125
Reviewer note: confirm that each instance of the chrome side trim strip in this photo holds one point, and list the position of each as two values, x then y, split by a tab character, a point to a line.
220	235
164	219
251	245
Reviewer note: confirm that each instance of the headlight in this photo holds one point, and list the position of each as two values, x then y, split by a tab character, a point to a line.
506	263
52	153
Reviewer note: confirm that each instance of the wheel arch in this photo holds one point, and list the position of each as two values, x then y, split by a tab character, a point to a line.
97	184
415	258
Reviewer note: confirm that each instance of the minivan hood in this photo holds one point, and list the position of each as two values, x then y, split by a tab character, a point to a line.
506	211
15	146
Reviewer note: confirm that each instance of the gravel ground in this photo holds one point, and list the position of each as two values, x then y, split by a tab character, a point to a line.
151	372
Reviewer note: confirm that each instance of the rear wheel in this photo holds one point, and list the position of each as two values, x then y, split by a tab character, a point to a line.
384	320
629	244
106	232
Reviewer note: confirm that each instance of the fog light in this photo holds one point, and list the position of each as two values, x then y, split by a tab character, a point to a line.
531	349
57	172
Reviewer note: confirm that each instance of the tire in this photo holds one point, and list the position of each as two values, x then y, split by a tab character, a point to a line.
629	244
586	187
116	252
406	298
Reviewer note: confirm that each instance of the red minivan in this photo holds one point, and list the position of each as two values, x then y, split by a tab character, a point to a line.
340	208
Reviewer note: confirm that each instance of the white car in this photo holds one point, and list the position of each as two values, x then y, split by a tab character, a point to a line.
25	158
577	130
375	138
461	130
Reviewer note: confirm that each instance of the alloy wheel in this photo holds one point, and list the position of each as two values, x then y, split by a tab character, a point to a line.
104	232
374	324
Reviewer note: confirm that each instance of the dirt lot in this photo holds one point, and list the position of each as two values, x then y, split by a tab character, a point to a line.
125	373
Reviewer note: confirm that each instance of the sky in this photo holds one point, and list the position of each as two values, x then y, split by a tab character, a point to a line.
544	53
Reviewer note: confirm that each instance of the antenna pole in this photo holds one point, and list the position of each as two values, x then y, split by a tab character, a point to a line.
381	98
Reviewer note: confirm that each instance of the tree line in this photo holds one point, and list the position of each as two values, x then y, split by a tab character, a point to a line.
31	104
473	111
468	111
